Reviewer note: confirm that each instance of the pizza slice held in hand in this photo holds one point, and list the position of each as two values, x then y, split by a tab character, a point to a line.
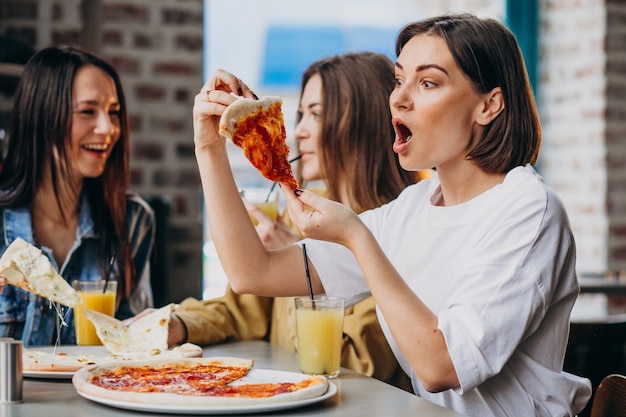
145	337
25	266
258	127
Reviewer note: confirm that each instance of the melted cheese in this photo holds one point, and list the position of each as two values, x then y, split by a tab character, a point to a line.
25	266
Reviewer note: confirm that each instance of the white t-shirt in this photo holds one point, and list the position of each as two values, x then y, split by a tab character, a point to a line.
499	273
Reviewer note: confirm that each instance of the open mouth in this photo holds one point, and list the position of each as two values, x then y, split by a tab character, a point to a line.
96	147
404	133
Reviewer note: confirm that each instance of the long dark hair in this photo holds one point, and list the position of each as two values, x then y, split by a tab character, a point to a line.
356	129
39	134
487	52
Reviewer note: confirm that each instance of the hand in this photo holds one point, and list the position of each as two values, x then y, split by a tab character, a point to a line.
3	282
210	103
320	218
273	234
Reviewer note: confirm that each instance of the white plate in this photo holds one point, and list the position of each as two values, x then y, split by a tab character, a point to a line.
47	374
95	351
255	375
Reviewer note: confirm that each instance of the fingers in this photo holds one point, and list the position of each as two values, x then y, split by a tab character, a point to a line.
131	320
224	81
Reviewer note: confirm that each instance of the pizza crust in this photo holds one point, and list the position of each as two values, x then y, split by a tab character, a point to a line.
242	108
82	378
35	360
144	337
258	128
42	361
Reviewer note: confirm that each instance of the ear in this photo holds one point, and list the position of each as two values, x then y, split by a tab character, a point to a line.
492	106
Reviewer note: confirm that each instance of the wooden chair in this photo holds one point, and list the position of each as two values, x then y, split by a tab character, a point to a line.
610	397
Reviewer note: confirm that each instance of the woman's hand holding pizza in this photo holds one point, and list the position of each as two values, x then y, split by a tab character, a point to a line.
322	219
177	331
217	94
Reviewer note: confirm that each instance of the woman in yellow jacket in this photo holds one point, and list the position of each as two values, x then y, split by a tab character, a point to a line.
349	151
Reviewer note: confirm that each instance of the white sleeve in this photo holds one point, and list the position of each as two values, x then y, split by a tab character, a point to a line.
338	269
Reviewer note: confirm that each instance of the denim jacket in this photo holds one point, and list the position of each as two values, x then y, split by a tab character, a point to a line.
32	319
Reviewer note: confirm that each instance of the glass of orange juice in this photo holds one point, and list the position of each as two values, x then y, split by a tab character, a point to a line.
319	328
263	198
94	298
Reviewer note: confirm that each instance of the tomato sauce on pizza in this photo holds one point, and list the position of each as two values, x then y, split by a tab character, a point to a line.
200	380
257	127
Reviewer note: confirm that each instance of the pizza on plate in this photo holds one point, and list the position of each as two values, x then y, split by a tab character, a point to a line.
258	127
42	361
25	266
145	338
215	381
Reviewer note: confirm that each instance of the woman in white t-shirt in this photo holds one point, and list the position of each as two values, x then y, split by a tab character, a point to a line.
473	272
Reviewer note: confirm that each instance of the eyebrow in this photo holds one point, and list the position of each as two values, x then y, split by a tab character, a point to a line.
94	103
310	106
425	67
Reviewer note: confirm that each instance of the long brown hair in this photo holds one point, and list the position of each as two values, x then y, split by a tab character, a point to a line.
40	133
487	52
356	129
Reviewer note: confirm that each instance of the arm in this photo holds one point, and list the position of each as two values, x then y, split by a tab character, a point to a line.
230	317
365	348
412	323
231	229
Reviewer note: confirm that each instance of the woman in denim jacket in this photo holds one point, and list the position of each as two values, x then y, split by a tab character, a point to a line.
63	188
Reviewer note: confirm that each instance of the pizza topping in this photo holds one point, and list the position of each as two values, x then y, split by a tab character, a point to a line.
213	379
195	380
257	126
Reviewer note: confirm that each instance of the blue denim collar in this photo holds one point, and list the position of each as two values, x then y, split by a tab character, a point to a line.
18	223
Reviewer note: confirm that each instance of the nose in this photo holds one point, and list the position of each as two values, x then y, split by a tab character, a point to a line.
105	124
400	99
300	131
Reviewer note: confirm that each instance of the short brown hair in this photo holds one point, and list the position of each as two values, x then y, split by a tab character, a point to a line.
487	52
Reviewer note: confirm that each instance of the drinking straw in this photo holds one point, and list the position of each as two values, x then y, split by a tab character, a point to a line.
110	268
308	275
294	159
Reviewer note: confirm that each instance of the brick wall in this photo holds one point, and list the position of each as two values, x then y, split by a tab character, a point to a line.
616	132
156	45
572	105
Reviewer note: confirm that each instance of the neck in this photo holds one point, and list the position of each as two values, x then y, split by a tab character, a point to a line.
59	208
458	189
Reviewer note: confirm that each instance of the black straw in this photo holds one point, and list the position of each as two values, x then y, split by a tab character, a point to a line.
308	275
110	268
294	159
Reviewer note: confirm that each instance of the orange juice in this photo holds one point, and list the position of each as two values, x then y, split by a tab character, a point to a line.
264	199
93	299
320	333
270	208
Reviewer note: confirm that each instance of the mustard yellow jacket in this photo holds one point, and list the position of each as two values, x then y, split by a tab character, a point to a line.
234	317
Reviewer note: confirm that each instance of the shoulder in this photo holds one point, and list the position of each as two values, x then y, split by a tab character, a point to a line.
137	204
138	211
529	188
